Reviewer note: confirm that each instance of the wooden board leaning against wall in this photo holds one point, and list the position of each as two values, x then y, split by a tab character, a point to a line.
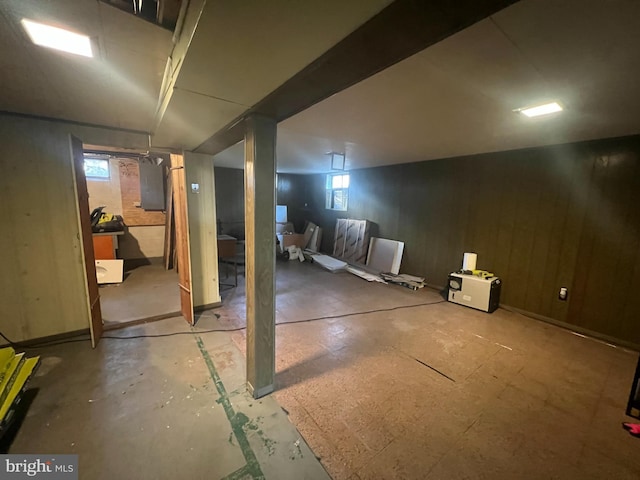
182	236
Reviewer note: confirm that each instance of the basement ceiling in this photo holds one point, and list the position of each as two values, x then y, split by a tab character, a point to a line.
118	88
454	98
458	96
242	51
238	52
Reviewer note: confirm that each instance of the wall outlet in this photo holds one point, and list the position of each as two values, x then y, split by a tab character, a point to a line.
562	295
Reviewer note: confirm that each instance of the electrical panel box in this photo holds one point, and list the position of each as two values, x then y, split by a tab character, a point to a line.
475	292
152	196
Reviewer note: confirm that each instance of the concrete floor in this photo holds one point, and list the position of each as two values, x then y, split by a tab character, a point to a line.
148	291
169	407
417	388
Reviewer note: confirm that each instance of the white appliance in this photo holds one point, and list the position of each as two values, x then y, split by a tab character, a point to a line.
109	271
474	291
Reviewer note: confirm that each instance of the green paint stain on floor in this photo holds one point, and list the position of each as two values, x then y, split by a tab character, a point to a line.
252	426
238	421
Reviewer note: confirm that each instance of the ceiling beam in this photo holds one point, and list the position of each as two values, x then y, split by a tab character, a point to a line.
403	28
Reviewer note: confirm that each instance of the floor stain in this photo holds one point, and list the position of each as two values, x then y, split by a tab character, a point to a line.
237	421
296	452
223	359
253	426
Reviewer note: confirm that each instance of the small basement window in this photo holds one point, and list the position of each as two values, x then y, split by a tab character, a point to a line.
337	191
96	168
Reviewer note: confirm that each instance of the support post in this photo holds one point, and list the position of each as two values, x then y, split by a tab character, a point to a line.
259	214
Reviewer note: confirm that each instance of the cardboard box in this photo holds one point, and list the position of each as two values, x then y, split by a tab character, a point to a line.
282	228
296	239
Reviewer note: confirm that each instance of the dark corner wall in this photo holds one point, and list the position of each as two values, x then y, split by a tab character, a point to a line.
230	201
541	219
291	191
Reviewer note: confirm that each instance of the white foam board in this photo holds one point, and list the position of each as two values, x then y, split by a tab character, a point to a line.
384	255
369	277
330	263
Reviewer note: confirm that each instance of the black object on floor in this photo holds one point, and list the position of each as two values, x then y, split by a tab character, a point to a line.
18	415
633	405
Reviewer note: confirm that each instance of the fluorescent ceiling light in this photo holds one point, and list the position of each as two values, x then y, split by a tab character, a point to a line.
541	109
58	38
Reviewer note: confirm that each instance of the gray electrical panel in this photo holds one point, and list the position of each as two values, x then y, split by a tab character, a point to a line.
152	195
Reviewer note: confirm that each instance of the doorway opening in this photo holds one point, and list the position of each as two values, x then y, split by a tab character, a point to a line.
135	260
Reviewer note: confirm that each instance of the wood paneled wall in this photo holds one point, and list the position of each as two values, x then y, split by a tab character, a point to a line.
43	282
291	191
607	274
543	218
42	286
201	212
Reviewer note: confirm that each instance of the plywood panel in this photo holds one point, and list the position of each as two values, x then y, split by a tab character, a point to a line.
201	211
183	253
132	214
84	220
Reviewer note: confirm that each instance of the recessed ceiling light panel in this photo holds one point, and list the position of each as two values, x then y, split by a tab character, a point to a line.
541	109
58	38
